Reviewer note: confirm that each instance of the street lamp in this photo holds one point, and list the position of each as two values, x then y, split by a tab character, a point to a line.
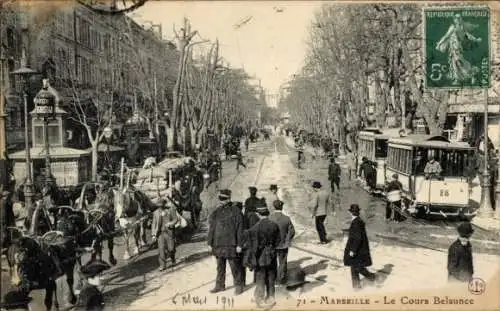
108	133
485	207
45	107
25	73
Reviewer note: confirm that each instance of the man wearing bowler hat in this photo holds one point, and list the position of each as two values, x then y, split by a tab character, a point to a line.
319	205
252	201
225	238
460	264
266	235
357	250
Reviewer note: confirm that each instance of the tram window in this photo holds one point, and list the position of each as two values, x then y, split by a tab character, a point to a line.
381	148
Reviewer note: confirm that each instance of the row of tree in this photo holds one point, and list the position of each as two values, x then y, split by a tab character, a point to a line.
356	46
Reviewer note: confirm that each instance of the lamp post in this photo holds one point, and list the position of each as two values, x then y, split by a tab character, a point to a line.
485	208
25	73
108	134
45	107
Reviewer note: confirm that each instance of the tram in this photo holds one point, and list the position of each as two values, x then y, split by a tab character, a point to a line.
446	195
372	144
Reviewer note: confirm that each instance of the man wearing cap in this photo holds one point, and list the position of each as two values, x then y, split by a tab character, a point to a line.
163	230
252	201
391	212
225	238
319	205
334	172
266	235
287	232
460	263
357	250
432	168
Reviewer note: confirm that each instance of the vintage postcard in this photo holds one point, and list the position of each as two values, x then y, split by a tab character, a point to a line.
246	155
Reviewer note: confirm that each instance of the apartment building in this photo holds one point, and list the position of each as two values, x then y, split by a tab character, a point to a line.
87	57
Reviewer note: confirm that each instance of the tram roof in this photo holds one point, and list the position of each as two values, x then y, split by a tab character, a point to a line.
380	134
429	141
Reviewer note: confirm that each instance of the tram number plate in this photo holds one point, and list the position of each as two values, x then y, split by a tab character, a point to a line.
444	193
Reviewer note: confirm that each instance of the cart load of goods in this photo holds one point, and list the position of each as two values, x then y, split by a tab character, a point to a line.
155	180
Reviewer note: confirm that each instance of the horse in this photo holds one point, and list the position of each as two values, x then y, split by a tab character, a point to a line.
37	264
101	215
187	194
132	208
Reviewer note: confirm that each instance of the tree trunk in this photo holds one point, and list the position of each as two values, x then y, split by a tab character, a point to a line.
95	159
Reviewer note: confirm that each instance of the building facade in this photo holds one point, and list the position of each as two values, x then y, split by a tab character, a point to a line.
88	58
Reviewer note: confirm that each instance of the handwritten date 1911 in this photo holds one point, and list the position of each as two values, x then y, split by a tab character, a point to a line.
188	299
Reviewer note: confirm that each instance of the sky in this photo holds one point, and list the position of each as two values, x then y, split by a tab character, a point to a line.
271	45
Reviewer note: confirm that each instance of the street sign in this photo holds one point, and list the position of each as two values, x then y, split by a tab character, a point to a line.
457	47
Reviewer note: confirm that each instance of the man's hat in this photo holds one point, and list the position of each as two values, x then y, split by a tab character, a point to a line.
262	210
296	277
354	209
465	229
316	185
395	176
278	204
252	189
15	300
225	194
273	187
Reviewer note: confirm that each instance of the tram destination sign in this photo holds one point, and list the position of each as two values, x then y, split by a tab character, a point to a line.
457	47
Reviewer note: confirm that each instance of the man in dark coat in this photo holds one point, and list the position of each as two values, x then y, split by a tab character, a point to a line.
334	172
287	232
460	264
253	201
357	251
266	238
8	219
370	174
225	237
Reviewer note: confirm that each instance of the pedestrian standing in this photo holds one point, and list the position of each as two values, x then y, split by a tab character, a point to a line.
247	142
225	237
460	263
287	232
250	207
351	164
266	236
163	230
368	171
319	205
239	160
393	205
357	250
334	172
8	218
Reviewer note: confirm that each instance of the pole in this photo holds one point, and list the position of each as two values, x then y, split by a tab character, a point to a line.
48	173
3	132
485	208
28	185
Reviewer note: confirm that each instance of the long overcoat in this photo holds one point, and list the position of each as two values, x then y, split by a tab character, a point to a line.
225	231
264	238
357	242
460	265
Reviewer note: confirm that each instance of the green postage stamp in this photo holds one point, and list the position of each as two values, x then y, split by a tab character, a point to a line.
457	47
